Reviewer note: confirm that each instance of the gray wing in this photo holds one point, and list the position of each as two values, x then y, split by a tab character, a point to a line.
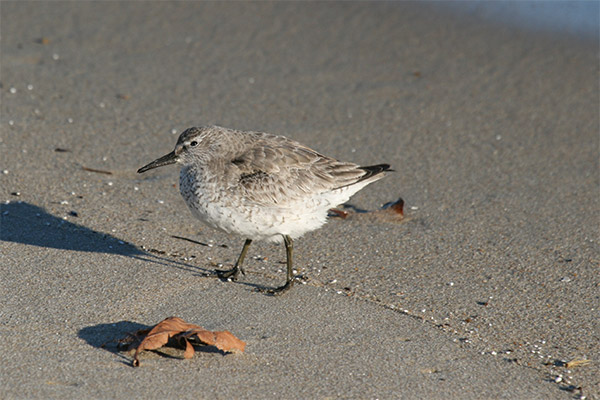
278	171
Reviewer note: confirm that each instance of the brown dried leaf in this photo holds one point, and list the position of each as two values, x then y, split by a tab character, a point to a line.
176	327
398	207
159	335
222	340
189	350
339	213
390	212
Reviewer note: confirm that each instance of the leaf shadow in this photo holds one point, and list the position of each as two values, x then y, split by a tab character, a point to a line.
110	335
107	336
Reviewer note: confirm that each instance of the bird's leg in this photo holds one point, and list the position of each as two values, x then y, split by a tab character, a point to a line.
237	268
289	247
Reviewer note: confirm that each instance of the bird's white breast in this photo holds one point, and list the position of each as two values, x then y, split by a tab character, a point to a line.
217	206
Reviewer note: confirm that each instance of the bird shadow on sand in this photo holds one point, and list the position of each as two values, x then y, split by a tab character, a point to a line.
25	223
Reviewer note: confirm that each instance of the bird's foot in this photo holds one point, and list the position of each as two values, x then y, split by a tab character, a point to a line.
279	290
230	274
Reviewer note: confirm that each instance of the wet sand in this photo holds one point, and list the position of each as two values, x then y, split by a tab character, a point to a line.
486	290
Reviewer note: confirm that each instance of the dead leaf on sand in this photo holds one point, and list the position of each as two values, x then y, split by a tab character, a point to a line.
183	332
391	212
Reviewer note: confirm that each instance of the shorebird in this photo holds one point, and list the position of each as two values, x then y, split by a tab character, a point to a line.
261	186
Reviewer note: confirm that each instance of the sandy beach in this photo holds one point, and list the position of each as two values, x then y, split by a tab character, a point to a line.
489	288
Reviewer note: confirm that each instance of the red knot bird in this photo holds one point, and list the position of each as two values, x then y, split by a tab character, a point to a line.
261	186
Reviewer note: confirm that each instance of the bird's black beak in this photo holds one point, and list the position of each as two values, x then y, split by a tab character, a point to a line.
170	158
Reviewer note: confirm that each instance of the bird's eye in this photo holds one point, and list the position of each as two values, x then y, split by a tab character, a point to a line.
193	143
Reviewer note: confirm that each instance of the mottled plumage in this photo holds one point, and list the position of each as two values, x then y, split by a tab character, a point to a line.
261	186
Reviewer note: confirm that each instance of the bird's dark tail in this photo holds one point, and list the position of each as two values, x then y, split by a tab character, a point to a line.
374	170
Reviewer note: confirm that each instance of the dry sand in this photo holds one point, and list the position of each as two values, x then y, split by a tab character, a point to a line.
485	291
